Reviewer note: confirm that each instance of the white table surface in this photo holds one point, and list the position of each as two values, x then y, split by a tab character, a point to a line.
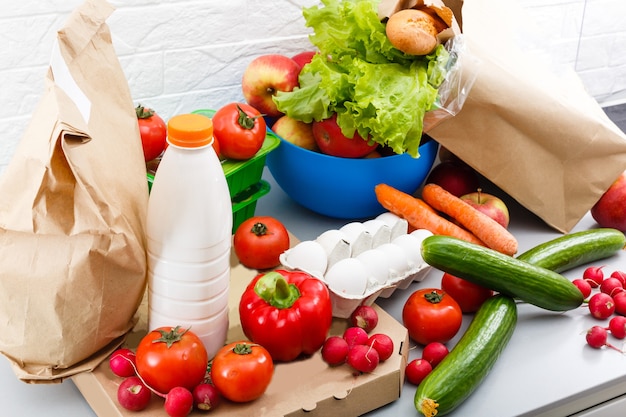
546	369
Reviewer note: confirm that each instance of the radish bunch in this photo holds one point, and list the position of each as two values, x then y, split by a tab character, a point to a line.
135	395
356	347
608	300
418	369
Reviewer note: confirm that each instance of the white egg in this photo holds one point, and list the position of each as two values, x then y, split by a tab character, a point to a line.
331	238
308	256
411	245
348	276
380	231
421	234
397	224
398	260
336	246
377	265
359	238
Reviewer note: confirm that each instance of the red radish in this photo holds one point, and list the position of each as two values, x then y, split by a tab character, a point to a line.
122	362
206	397
364	317
355	336
611	286
335	350
363	358
617	327
584	287
601	305
621	275
383	345
133	395
178	402
434	353
594	275
417	370
597	338
620	303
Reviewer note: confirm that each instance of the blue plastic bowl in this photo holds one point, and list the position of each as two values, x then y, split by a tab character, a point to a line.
343	187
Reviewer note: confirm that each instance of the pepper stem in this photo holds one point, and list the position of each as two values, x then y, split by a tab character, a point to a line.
276	291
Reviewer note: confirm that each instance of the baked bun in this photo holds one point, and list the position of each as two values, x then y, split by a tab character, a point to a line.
413	31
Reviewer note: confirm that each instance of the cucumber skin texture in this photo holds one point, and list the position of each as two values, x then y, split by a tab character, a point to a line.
575	249
468	363
502	273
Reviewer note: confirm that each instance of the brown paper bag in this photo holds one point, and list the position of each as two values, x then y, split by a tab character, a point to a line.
538	136
72	212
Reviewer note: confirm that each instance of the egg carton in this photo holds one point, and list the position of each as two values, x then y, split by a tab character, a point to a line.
362	261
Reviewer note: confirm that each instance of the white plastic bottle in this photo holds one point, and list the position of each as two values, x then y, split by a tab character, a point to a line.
189	228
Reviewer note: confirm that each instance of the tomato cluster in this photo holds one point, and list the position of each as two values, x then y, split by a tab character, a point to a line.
172	363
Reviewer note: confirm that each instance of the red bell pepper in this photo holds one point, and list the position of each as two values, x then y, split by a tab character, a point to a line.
289	313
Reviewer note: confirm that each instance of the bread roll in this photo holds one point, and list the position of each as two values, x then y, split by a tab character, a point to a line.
412	31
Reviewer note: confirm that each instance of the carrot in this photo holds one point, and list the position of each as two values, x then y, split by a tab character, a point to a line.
492	233
419	214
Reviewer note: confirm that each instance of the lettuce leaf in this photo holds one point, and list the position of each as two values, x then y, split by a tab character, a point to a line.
375	89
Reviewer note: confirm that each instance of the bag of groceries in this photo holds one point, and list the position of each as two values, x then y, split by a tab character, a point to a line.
72	212
533	132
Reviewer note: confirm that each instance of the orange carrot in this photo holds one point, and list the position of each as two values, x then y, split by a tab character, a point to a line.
492	233
419	214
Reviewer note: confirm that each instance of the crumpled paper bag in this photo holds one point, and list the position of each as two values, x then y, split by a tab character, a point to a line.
73	202
536	134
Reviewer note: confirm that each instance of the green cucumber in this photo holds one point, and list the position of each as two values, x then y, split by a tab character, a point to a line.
463	369
575	249
502	273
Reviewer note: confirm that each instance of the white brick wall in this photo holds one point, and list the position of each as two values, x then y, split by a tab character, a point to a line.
181	55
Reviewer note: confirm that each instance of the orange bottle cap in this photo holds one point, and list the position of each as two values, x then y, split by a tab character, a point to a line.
190	130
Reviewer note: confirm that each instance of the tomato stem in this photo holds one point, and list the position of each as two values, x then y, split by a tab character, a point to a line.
274	288
143	113
259	229
433	297
242	349
170	336
245	121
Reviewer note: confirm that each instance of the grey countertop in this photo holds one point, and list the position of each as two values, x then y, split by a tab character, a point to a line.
546	370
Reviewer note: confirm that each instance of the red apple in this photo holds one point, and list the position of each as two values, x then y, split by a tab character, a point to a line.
456	178
295	131
304	58
264	76
490	205
331	141
610	209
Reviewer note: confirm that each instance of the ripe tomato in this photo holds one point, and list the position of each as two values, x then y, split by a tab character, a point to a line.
153	132
431	315
242	371
170	357
259	241
331	141
468	295
240	130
